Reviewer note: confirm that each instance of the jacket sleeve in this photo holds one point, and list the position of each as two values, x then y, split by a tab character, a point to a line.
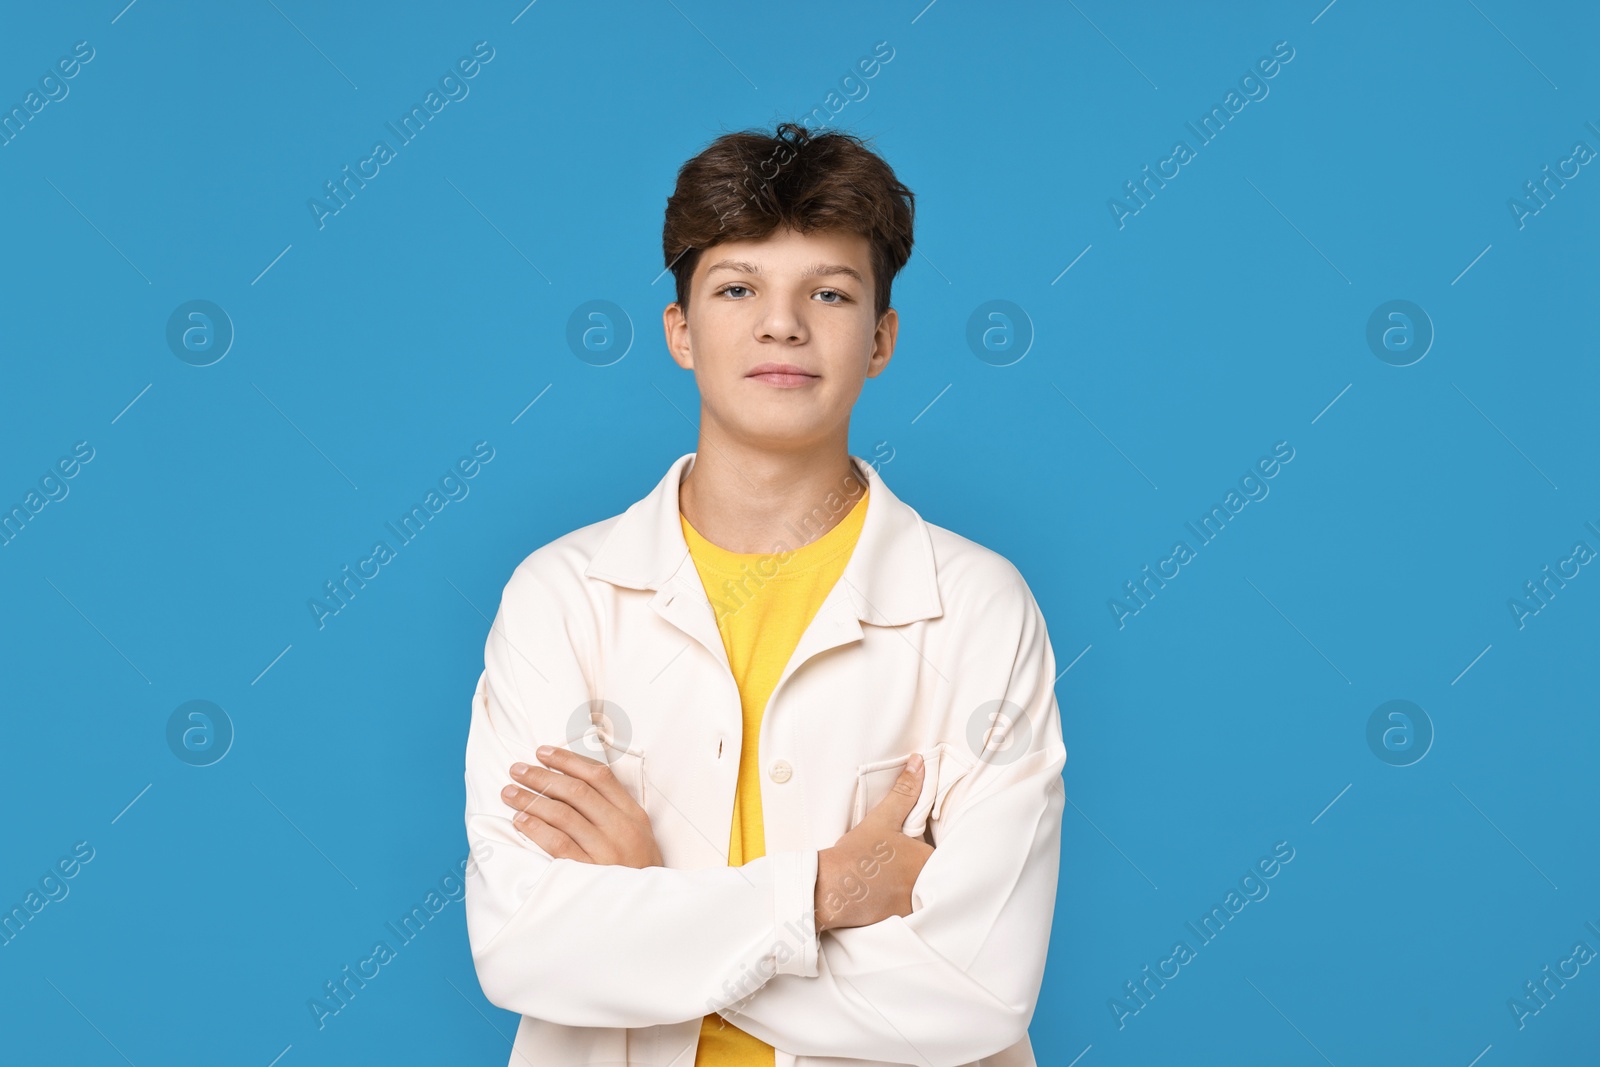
593	945
958	978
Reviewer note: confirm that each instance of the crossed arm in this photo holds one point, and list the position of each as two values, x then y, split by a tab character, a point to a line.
589	943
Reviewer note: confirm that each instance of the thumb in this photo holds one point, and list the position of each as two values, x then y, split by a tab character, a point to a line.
899	801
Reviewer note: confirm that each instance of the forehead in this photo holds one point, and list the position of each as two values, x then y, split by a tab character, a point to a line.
789	252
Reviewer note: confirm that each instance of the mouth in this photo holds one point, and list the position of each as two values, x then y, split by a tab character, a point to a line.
783	375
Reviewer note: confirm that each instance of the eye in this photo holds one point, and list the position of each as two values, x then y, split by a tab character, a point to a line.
842	298
727	288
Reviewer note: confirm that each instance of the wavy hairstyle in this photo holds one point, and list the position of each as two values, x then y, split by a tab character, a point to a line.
746	185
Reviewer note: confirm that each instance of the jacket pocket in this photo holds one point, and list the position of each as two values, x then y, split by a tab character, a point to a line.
945	766
626	763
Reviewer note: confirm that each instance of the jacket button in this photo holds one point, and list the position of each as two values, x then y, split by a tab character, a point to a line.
780	771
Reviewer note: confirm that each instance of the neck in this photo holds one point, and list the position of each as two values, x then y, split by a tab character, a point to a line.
747	499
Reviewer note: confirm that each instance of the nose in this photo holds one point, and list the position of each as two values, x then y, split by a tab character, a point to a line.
780	322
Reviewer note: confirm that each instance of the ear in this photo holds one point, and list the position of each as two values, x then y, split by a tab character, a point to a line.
675	324
883	340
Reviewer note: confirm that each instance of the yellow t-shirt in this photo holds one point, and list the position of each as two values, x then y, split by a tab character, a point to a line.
763	601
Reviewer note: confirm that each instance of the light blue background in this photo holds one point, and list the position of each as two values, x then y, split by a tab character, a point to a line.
1227	315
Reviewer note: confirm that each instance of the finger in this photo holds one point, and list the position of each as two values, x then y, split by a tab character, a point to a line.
899	801
556	812
595	773
558	844
589	791
570	789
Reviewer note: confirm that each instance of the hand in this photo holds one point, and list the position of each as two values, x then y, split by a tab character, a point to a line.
579	811
868	874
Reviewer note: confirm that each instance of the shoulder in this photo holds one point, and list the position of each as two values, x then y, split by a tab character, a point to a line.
970	573
996	640
553	573
986	603
569	554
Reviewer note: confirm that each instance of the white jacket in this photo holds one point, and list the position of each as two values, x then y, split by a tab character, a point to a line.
606	643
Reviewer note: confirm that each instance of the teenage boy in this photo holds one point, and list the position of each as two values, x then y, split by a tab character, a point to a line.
766	769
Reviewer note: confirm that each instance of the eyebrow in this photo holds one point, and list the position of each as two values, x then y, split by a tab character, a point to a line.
813	271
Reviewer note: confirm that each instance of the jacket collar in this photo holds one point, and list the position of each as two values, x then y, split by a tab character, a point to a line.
890	578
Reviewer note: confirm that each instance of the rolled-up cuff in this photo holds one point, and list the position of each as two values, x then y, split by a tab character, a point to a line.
794	876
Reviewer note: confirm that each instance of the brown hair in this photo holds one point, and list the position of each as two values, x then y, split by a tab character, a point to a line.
746	185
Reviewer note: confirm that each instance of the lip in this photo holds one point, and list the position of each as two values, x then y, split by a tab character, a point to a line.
778	368
783	375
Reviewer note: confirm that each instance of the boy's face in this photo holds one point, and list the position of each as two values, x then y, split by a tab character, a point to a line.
753	303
